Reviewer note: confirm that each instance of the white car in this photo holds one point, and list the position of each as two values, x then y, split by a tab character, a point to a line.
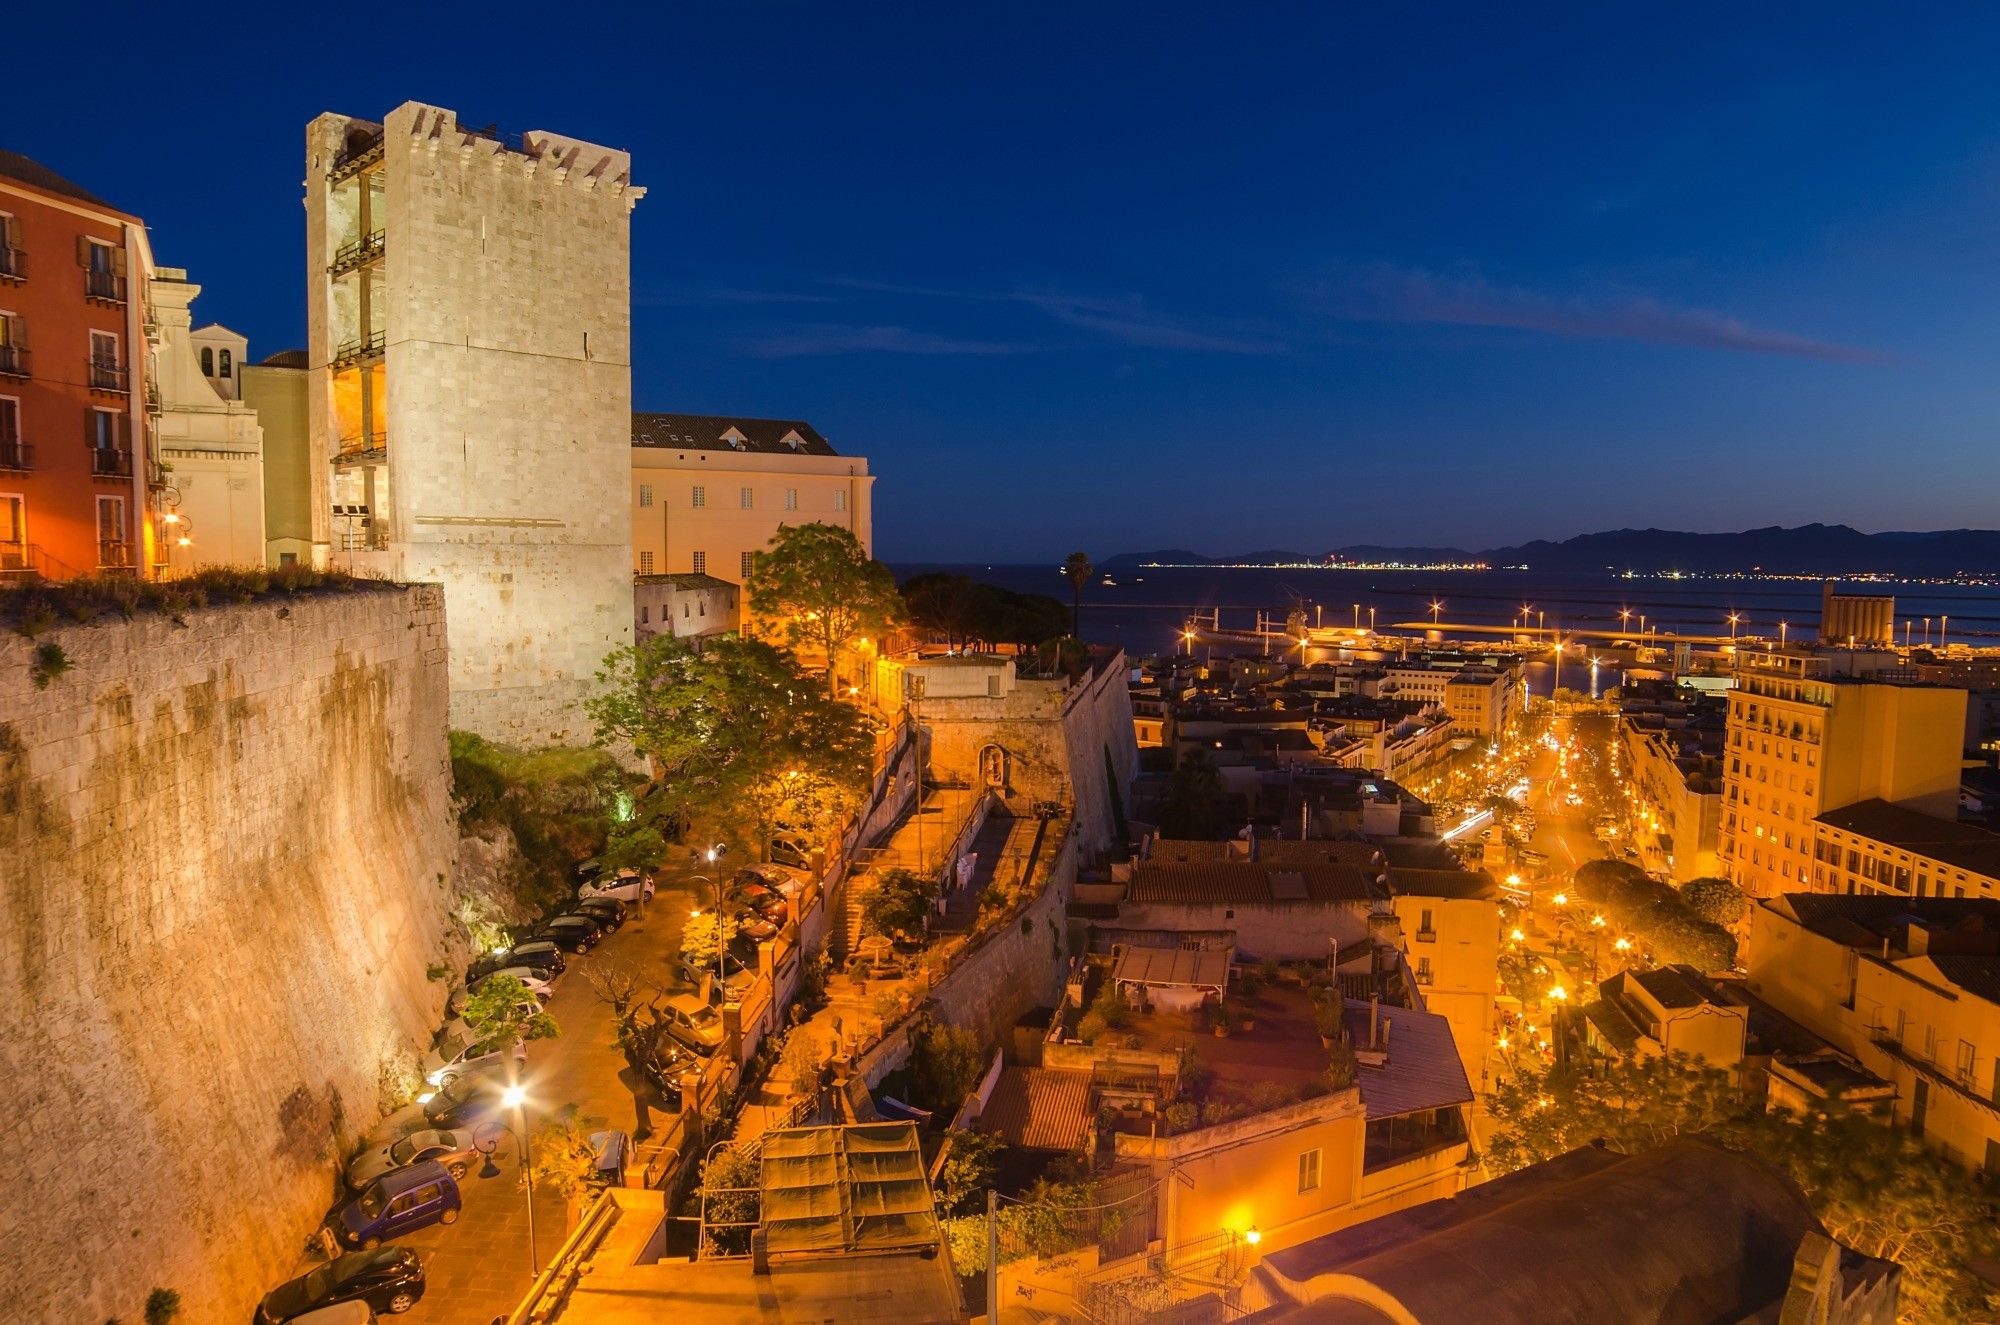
627	886
536	982
456	1053
451	1148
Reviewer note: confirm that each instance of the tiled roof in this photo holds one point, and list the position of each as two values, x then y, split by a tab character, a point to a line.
1287	852
1460	883
1962	846
1039	1108
1977	975
1673	986
1863	922
684	580
33	173
285	359
1248	881
1423	1070
705	432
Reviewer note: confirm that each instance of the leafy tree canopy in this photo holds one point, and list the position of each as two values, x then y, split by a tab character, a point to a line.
898	903
503	1010
819	590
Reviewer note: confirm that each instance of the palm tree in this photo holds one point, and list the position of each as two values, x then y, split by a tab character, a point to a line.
1077	570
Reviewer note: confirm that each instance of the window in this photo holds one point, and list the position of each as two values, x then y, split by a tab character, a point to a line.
207	362
1423	970
1309	1171
645	494
746	498
701	563
227	366
13	344
104	431
13	528
744	567
288	558
111	531
840	499
791	499
645	615
10	245
700	497
645	563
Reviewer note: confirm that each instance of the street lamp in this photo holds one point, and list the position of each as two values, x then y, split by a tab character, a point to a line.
1436	607
1733	620
515	1099
711	855
1785	625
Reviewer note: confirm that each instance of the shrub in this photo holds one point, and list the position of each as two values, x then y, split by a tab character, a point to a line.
1182	1116
1112	1007
1091	1028
50	662
898	903
162	1306
946	1063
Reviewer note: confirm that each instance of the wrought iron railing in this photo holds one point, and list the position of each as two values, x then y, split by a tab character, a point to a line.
16	454
114	553
13	361
106	285
12	264
110	462
105	375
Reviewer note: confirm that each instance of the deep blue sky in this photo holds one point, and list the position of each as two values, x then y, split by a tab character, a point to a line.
1125	277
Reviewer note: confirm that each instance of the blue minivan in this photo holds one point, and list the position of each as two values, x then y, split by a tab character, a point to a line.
398	1202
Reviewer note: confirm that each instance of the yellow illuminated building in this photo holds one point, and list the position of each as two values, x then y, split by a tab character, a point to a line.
1813	731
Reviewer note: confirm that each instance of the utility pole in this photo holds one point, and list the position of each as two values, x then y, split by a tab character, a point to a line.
992	1257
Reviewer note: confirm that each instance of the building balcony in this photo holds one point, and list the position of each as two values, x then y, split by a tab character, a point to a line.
104	375
360	153
1426	935
361	351
359	450
104	286
115	555
16	456
13	361
356	254
13	264
110	462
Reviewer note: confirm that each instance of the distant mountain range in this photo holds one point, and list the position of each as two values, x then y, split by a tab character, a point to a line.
1813	549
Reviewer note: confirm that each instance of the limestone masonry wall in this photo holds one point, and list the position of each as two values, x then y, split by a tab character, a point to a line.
224	843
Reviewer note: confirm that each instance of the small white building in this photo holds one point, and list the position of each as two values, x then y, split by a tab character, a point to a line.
687	606
211	449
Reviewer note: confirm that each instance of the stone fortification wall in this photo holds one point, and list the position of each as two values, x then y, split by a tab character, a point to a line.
224	841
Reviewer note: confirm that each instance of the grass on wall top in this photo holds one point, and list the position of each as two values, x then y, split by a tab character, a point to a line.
34	605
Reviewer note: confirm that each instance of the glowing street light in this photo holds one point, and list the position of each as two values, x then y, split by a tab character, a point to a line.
1560	899
1597	921
1734	620
1436	607
515	1099
1623	944
1559	994
1518	936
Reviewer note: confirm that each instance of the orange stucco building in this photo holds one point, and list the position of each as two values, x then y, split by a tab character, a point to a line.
74	462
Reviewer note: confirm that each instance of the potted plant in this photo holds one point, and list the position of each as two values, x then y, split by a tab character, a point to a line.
1217	1018
1327	1021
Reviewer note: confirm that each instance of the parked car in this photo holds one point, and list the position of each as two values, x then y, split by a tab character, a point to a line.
762	898
466	1102
627	885
693	1023
389	1280
610	1150
788	849
737	974
586	870
573	932
752	925
341	1313
456	1053
398	1202
534	981
453	1149
537	954
667	1064
606	911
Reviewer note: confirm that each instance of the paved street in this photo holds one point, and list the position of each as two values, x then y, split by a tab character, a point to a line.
477	1269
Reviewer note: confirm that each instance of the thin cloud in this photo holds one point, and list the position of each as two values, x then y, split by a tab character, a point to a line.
1385	293
821	340
727	296
1128	320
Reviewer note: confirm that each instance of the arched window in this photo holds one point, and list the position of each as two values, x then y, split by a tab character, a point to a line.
207	362
225	363
993	766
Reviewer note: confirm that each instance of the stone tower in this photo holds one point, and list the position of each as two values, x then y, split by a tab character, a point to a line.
469	315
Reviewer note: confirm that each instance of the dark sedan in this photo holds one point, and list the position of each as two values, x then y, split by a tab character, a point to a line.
760	897
606	911
539	953
466	1101
388	1279
577	933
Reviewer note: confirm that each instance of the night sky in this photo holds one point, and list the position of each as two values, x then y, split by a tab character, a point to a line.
1128	277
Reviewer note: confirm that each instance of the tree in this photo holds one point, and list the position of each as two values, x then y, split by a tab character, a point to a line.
1024	620
1077	570
564	1157
1873	1186
1193	799
503	1011
617	984
817	587
1718	901
705	938
946	1063
729	1201
953	606
736	734
1655	913
898	903
970	1163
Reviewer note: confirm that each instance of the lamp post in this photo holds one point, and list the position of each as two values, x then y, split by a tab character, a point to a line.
1782	626
1624	618
1436	607
1733	620
1944	626
713	854
515	1098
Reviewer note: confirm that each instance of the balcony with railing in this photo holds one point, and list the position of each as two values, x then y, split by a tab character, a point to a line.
362	151
110	462
107	375
356	253
104	286
16	456
115	554
13	264
13	361
357	449
363	350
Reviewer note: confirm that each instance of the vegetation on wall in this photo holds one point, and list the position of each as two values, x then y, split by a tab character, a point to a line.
35	605
559	804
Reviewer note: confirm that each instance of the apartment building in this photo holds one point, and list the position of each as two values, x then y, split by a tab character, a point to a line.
1814	731
470	384
709	491
75	463
1874	847
1907	986
211	448
1675	740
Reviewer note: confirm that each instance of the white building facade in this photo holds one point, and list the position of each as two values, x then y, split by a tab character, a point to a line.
211	449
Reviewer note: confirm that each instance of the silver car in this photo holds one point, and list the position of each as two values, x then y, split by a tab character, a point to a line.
457	1053
451	1148
626	886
